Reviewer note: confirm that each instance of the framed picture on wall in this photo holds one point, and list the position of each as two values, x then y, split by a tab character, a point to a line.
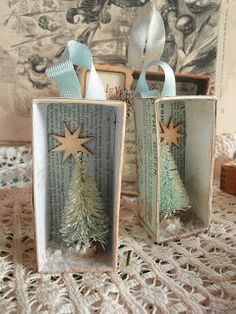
115	79
186	84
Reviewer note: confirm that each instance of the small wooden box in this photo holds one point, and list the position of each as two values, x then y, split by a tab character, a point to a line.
104	121
193	158
228	177
186	84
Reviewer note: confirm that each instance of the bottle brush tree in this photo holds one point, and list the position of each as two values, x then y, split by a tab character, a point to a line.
84	220
173	195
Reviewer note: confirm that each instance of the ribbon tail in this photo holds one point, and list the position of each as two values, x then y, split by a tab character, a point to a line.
147	37
155	38
95	88
137	39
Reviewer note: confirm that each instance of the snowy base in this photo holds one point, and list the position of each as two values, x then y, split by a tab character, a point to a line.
170	226
184	224
85	252
129	187
60	258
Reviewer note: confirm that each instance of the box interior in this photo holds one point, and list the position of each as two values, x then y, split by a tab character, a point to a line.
199	130
106	125
193	158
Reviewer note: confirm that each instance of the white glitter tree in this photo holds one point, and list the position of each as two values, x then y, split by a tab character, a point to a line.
84	220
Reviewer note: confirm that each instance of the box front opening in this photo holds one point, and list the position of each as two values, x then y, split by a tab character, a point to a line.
200	116
194	163
104	124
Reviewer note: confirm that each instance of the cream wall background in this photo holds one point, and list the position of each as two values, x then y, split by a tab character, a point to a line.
226	69
14	128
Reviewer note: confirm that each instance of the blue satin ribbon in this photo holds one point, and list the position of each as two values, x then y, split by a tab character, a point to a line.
169	87
147	37
66	78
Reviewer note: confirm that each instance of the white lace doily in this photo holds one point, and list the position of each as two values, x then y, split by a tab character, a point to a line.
193	275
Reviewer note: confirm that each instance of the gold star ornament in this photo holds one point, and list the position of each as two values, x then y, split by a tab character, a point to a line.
71	143
170	133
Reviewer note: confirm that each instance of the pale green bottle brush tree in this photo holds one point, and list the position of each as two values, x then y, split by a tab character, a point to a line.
84	220
173	195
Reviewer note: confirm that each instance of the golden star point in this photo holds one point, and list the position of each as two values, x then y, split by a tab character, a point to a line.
170	133
71	143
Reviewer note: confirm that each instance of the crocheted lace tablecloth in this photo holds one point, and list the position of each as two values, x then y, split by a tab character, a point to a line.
193	275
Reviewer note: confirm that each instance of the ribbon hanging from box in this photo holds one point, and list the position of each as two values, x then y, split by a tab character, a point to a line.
64	74
169	87
147	37
147	40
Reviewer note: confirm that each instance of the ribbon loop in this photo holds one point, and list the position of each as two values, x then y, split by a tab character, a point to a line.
64	74
169	87
147	37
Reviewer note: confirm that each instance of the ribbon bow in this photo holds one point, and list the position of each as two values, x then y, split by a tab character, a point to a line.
64	74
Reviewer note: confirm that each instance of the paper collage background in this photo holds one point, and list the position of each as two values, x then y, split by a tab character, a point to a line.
34	33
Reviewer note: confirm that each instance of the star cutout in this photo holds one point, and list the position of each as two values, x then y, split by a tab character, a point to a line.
170	133
71	143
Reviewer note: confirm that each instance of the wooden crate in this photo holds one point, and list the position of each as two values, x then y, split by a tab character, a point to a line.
228	177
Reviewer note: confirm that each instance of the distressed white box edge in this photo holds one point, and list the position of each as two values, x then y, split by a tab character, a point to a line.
156	236
40	160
